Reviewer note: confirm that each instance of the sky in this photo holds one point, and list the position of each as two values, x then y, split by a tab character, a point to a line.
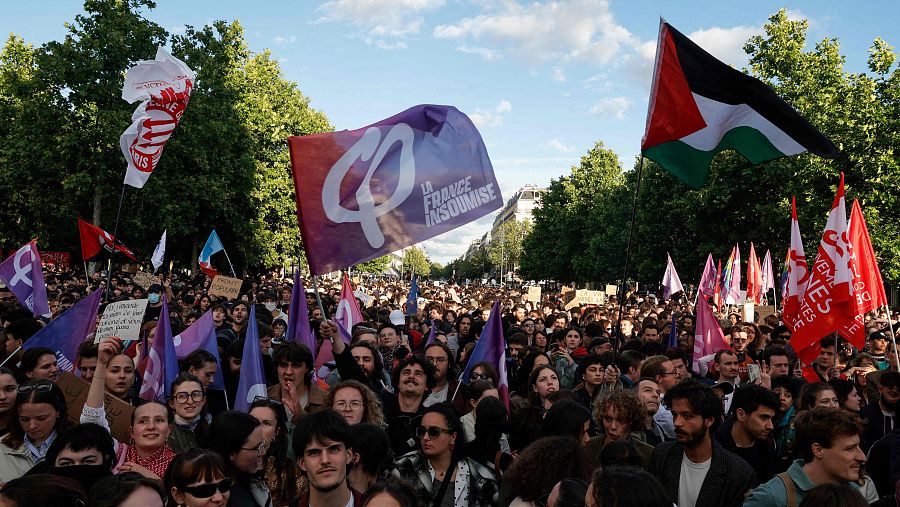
542	80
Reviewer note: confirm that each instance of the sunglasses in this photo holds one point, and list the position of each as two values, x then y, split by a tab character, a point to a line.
479	376
431	431
209	489
43	387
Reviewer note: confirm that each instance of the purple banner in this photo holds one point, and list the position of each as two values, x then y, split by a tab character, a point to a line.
367	192
22	273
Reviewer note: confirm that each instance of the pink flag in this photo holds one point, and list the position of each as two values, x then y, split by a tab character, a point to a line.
23	275
671	283
797	273
348	313
708	280
829	303
733	294
768	278
708	337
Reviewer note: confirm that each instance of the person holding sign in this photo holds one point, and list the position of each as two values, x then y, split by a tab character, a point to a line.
148	453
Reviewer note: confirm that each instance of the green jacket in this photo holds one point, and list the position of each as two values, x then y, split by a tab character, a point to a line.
774	494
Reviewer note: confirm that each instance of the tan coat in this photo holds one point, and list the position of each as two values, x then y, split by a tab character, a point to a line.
14	462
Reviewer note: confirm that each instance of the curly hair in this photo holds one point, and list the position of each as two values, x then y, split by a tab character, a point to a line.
544	463
372	413
627	405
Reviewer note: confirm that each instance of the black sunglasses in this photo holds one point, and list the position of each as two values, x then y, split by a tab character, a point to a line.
209	489
431	431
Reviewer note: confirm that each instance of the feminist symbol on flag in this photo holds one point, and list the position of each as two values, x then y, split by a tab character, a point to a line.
22	272
364	149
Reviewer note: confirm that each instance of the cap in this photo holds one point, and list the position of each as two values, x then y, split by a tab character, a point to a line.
397	318
155	288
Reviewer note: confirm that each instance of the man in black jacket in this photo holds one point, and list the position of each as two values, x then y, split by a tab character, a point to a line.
695	470
747	432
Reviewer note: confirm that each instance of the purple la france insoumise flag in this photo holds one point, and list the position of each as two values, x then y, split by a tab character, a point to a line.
162	366
252	382
298	329
367	192
201	335
22	273
68	330
491	347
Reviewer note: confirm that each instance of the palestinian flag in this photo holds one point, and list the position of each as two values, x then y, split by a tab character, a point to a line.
700	106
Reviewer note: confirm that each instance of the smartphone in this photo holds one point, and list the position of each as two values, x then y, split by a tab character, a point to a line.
753	372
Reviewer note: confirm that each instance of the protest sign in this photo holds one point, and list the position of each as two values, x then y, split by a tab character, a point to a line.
118	412
122	319
611	290
534	293
144	279
748	311
591	297
225	286
764	311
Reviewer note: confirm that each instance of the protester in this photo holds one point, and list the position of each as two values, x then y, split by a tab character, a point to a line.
626	487
747	430
539	467
356	402
83	453
323	445
197	478
281	473
127	489
39	363
238	438
42	490
8	386
414	377
187	403
621	416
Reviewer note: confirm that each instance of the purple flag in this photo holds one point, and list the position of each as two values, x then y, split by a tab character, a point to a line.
22	273
201	335
367	192
348	313
491	348
162	365
298	329
431	336
671	283
252	382
65	333
709	279
673	334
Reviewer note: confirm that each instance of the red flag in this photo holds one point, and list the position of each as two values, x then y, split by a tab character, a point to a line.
717	294
754	277
797	273
829	304
867	284
94	240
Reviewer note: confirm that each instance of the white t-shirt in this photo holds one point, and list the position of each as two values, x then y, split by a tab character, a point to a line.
437	396
691	480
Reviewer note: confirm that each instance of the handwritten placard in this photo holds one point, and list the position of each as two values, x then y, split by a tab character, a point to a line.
225	286
534	294
144	279
118	412
122	319
611	290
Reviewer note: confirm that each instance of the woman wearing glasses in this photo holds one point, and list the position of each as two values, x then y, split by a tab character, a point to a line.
439	471
38	415
198	478
238	438
187	402
355	402
147	453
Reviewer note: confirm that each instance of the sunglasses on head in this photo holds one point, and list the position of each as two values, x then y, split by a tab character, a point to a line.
209	489
43	387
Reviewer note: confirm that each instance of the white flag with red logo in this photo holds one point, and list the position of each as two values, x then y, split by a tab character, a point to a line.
164	88
797	273
829	304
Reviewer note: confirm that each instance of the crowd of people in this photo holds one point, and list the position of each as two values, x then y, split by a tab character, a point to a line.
596	405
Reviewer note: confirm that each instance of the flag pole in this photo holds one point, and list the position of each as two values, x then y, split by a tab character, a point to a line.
10	356
230	265
113	253
637	192
893	338
315	279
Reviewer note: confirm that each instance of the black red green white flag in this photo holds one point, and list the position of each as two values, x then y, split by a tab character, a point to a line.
699	106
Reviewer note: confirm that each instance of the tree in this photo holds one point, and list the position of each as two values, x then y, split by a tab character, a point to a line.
376	265
415	259
505	248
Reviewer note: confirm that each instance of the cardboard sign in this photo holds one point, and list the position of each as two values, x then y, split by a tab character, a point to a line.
122	319
748	312
118	412
611	290
534	294
144	279
764	311
225	286
568	294
591	297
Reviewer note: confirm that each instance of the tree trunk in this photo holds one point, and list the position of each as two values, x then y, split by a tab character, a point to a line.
98	202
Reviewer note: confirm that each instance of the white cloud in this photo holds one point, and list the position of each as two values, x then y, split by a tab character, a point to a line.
504	106
381	19
488	55
284	39
726	44
558	75
177	30
558	145
491	117
550	31
611	106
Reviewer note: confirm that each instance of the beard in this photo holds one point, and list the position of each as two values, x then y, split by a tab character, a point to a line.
693	438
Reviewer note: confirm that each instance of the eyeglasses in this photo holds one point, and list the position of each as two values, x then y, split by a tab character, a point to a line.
194	395
431	431
343	405
209	489
437	360
7	298
43	387
267	399
260	449
479	376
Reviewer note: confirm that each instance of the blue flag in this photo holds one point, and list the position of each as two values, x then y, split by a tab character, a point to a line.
252	382
298	329
201	335
673	334
412	302
65	333
162	365
490	347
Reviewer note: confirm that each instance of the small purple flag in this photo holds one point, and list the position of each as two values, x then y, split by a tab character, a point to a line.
298	329
162	366
65	333
671	283
673	334
252	382
491	348
348	313
412	301
201	335
709	279
431	336
397	182
22	273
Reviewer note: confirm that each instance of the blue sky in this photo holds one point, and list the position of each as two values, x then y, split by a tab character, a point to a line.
543	80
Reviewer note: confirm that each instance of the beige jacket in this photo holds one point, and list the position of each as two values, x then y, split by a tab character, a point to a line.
14	462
